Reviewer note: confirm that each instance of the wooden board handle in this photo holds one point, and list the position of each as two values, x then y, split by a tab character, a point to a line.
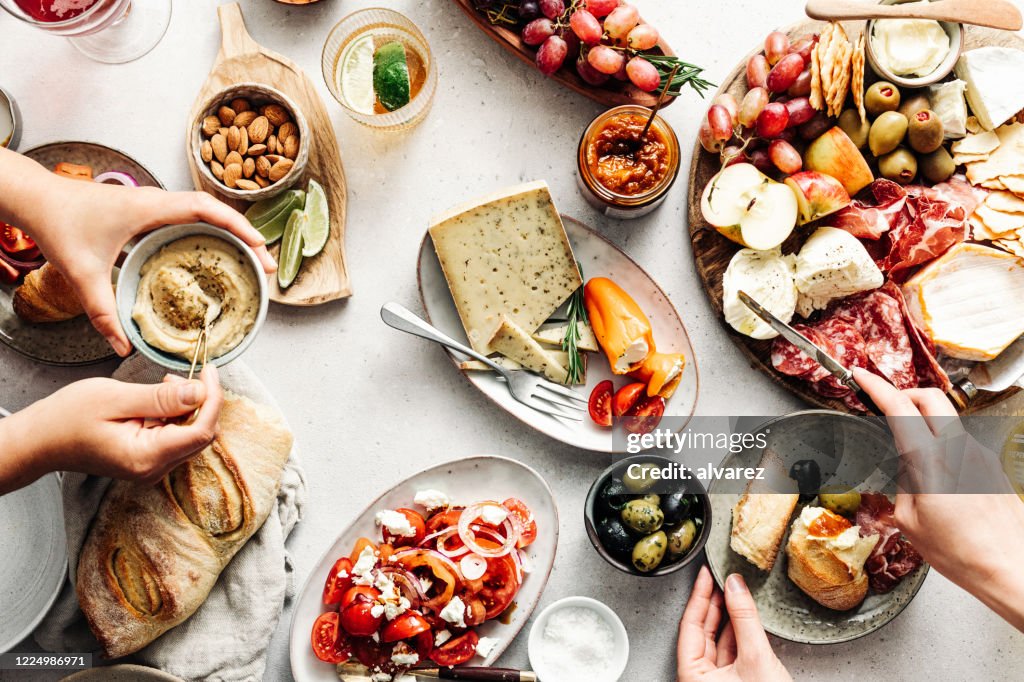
234	38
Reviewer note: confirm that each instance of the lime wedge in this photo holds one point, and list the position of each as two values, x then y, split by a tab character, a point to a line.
355	75
291	249
391	75
269	216
318	228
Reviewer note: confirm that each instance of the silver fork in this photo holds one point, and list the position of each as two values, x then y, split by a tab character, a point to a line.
528	388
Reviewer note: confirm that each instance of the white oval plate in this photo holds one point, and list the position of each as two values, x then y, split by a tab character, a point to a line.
598	258
484	477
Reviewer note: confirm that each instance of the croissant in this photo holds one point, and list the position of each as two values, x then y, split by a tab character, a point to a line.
154	552
46	296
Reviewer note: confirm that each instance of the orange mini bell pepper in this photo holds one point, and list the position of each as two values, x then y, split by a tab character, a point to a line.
656	370
618	323
73	171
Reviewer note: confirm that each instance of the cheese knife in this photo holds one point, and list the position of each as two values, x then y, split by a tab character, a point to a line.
996	375
837	370
354	672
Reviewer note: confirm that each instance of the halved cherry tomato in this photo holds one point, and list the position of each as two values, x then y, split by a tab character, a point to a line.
449	518
418	525
645	415
361	544
357	618
424	644
338	580
600	404
385	551
476	612
360	593
329	644
518	509
405	626
456	650
444	581
372	654
626	397
15	242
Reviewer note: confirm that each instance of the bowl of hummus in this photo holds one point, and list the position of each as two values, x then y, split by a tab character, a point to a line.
913	53
183	282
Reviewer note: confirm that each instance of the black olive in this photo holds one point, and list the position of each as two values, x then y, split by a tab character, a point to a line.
614	496
807	475
615	538
676	508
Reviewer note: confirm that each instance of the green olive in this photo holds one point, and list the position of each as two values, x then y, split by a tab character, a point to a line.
881	97
925	131
680	539
854	127
637	478
887	132
648	552
899	166
937	166
642	516
914	104
652	498
842	503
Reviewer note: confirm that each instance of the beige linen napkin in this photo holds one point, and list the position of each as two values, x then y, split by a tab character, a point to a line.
226	639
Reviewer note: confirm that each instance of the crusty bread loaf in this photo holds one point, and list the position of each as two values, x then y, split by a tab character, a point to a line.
45	296
759	522
154	552
835	581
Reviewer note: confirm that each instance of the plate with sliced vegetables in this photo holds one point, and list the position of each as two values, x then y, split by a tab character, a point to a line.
444	569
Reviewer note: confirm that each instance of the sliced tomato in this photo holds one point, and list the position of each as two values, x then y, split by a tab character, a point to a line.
449	518
645	415
338	581
600	404
476	612
500	585
15	242
424	644
357	618
329	643
418	524
456	650
385	551
527	523
626	397
361	544
359	593
405	626
372	654
445	583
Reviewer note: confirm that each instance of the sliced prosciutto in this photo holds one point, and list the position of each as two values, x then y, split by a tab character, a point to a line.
870	219
893	557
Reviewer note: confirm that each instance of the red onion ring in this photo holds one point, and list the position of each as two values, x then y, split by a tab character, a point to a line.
118	177
473	567
408	583
468	534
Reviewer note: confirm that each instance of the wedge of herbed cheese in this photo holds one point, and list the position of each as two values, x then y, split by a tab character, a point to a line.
995	89
516	344
512	365
505	254
554	333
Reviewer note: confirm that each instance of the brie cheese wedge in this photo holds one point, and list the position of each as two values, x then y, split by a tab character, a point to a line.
768	277
833	264
995	90
947	101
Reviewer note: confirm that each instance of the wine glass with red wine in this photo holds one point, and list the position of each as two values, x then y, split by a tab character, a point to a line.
111	31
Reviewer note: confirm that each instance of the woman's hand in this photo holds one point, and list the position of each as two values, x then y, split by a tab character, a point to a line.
81	228
740	652
111	428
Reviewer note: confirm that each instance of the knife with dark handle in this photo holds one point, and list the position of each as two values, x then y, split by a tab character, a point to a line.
837	370
354	672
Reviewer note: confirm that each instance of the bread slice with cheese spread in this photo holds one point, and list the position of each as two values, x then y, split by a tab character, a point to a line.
759	522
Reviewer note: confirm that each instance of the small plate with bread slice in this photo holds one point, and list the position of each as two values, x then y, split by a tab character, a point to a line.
39	314
815	539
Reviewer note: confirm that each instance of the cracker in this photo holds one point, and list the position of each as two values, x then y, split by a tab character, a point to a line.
996	184
1013	246
817	101
999	223
978	230
1014	183
981	143
973	125
857	64
1007	202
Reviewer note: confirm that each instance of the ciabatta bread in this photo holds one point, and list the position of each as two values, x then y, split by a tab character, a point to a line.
833	577
759	522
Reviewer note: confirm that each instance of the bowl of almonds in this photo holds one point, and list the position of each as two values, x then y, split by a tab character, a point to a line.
250	141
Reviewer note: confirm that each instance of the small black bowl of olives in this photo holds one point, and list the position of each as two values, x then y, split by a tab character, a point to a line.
643	524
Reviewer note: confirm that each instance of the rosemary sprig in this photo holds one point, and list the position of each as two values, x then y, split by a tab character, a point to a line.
576	313
688	74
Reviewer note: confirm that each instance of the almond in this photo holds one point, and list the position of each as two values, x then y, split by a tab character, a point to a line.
226	115
232	173
223	131
233	138
259	129
240	105
276	114
280	169
291	147
233	157
287	130
211	125
206	151
247	185
220	147
248	168
243	141
262	181
217	169
272	144
263	166
257	149
245	118
274	158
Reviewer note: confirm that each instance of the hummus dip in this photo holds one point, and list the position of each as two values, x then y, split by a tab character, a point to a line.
189	284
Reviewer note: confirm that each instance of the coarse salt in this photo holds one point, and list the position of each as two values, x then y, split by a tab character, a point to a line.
577	644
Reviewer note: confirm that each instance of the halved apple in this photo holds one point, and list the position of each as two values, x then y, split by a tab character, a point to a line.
817	195
749	208
835	154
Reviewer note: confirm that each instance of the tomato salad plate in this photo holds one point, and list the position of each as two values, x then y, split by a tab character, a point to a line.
536	291
58	337
444	569
865	183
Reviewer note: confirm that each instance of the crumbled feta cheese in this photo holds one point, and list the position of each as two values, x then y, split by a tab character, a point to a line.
377	610
392	603
380	677
403	655
375	637
485	646
395	523
441	637
432	499
426	583
393	610
524	562
493	514
455	612
362	572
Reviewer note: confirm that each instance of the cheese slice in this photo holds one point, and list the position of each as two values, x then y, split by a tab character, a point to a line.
513	366
995	90
947	100
970	301
515	344
554	333
505	254
767	276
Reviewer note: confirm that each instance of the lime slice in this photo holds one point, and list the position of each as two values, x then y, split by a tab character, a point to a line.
355	75
291	249
391	75
270	215
318	228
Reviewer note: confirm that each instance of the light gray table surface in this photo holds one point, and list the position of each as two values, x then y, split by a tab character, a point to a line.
371	406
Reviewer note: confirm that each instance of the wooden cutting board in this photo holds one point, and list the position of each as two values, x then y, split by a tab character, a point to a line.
612	94
712	252
241	59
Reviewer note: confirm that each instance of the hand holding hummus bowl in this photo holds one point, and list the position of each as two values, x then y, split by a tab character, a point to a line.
181	280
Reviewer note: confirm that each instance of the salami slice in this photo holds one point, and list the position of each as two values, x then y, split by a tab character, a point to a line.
882	323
